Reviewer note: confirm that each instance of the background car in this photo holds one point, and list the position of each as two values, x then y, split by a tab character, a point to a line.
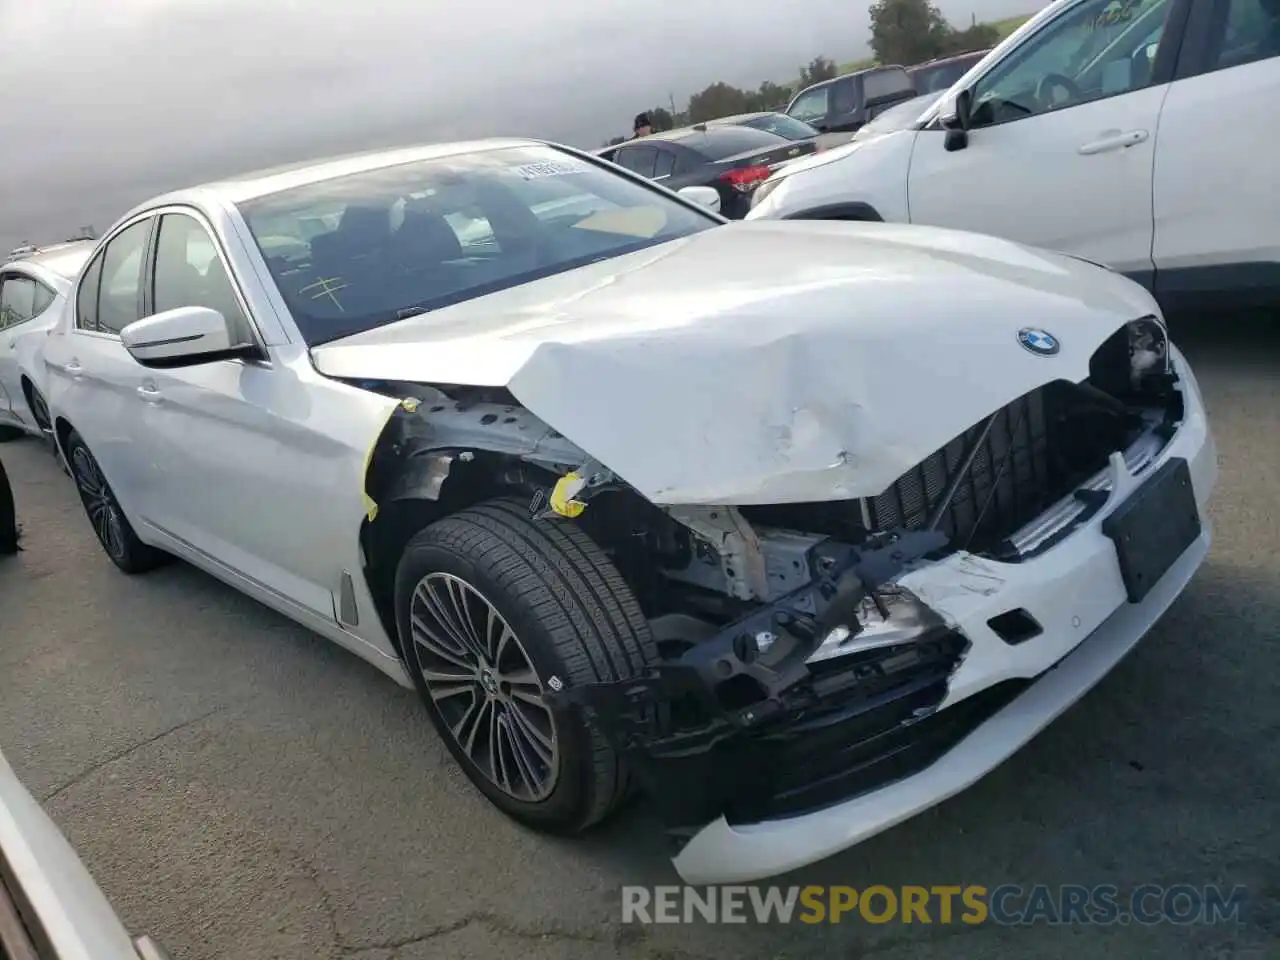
935	76
50	906
33	290
792	129
1137	135
845	103
898	117
731	159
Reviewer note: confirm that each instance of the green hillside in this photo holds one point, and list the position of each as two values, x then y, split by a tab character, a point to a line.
1004	27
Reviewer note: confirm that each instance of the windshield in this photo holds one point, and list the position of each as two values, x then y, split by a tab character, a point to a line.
782	125
898	117
355	252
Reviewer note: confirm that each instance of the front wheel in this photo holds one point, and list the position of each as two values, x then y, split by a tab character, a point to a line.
493	609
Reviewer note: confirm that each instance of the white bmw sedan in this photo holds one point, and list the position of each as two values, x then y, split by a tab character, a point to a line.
799	527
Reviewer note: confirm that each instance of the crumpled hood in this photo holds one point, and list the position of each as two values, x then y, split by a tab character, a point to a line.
766	361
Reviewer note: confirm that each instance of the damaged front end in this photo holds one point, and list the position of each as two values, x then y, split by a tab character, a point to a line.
796	670
829	684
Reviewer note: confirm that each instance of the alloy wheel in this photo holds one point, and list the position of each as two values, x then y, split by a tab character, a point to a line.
99	503
40	411
484	686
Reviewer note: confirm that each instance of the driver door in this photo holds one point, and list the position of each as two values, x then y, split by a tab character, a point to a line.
1061	137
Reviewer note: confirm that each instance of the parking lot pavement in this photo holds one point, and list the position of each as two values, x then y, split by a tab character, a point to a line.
243	789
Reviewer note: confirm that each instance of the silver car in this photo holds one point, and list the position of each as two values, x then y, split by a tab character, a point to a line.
50	906
799	525
33	291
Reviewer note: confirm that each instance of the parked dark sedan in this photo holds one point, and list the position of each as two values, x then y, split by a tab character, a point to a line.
731	158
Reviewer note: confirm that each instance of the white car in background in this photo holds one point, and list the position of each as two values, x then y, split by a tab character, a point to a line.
50	906
1139	134
33	291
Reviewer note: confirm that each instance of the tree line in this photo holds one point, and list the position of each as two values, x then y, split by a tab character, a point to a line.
903	32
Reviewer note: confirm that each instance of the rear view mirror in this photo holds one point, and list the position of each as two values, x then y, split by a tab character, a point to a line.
181	337
708	197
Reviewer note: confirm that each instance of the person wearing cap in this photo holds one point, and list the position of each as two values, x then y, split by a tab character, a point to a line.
642	127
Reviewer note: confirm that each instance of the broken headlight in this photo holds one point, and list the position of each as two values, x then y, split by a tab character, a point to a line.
1148	350
890	616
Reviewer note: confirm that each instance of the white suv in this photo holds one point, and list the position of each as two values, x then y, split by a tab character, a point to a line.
1140	134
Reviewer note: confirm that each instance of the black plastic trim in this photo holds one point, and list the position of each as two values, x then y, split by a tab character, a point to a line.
839	211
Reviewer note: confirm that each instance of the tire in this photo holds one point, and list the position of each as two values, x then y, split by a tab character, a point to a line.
39	409
573	619
110	525
11	433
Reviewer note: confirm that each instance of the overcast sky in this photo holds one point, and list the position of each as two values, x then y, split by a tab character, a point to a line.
107	102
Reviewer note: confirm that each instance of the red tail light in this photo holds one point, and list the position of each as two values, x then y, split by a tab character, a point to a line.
746	179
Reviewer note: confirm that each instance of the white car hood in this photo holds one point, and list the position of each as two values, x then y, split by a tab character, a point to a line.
766	361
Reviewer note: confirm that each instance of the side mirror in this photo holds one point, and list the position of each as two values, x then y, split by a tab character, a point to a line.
953	117
181	337
708	197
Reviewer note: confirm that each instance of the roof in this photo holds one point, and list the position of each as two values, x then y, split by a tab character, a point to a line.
258	183
60	259
740	117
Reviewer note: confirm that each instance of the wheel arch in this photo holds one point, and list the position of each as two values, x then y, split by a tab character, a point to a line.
426	488
850	210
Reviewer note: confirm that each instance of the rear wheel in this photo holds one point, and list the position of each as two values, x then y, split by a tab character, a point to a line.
39	409
110	525
493	609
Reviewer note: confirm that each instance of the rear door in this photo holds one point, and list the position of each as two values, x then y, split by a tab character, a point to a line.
92	379
1216	202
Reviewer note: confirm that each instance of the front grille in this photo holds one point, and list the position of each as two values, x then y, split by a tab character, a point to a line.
1010	482
1040	447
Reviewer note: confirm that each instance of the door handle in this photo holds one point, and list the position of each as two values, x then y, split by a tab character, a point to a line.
1113	140
149	393
73	369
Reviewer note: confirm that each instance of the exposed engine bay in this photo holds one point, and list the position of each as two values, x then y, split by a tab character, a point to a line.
795	671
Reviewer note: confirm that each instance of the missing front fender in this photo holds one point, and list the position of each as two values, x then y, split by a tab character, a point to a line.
710	732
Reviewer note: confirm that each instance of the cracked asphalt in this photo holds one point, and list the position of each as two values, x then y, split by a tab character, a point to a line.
242	789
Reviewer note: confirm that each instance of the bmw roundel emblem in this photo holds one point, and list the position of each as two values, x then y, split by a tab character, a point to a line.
1040	342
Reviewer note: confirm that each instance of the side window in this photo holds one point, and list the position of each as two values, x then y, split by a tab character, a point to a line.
1249	31
665	165
44	297
189	273
1098	49
844	96
120	291
87	296
17	300
811	105
639	160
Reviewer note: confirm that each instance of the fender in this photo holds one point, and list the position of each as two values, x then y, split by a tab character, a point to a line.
838	211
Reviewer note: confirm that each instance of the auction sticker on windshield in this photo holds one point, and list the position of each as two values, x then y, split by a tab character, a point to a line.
551	168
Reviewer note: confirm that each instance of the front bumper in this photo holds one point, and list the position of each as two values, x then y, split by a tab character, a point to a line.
948	718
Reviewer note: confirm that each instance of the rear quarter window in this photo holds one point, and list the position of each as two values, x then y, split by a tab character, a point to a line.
885	83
